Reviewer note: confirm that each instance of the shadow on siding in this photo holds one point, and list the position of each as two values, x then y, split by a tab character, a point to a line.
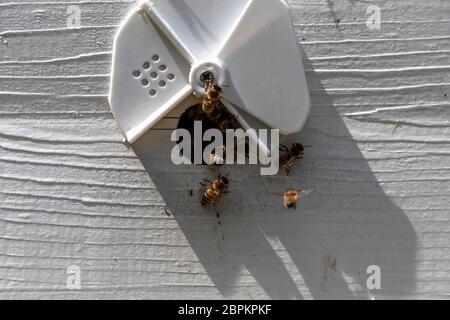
291	255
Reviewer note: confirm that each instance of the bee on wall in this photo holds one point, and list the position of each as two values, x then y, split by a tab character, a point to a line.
291	197
289	156
214	191
213	95
213	108
217	113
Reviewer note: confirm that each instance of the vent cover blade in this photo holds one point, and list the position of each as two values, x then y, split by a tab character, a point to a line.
149	76
265	65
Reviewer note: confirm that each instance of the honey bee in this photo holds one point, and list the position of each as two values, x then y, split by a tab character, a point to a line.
289	156
213	95
214	108
214	191
291	197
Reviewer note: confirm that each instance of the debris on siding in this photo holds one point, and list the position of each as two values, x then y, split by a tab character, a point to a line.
397	124
167	212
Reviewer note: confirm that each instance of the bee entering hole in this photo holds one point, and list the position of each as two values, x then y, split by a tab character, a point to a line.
187	119
221	121
207	76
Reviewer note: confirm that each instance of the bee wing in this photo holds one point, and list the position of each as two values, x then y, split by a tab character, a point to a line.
303	193
203	187
276	194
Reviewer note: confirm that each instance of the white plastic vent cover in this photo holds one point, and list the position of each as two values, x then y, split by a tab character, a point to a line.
249	45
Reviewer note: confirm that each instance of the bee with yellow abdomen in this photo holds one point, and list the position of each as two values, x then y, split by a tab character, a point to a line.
214	191
291	197
213	95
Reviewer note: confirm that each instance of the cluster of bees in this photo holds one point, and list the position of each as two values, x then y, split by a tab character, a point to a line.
214	114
